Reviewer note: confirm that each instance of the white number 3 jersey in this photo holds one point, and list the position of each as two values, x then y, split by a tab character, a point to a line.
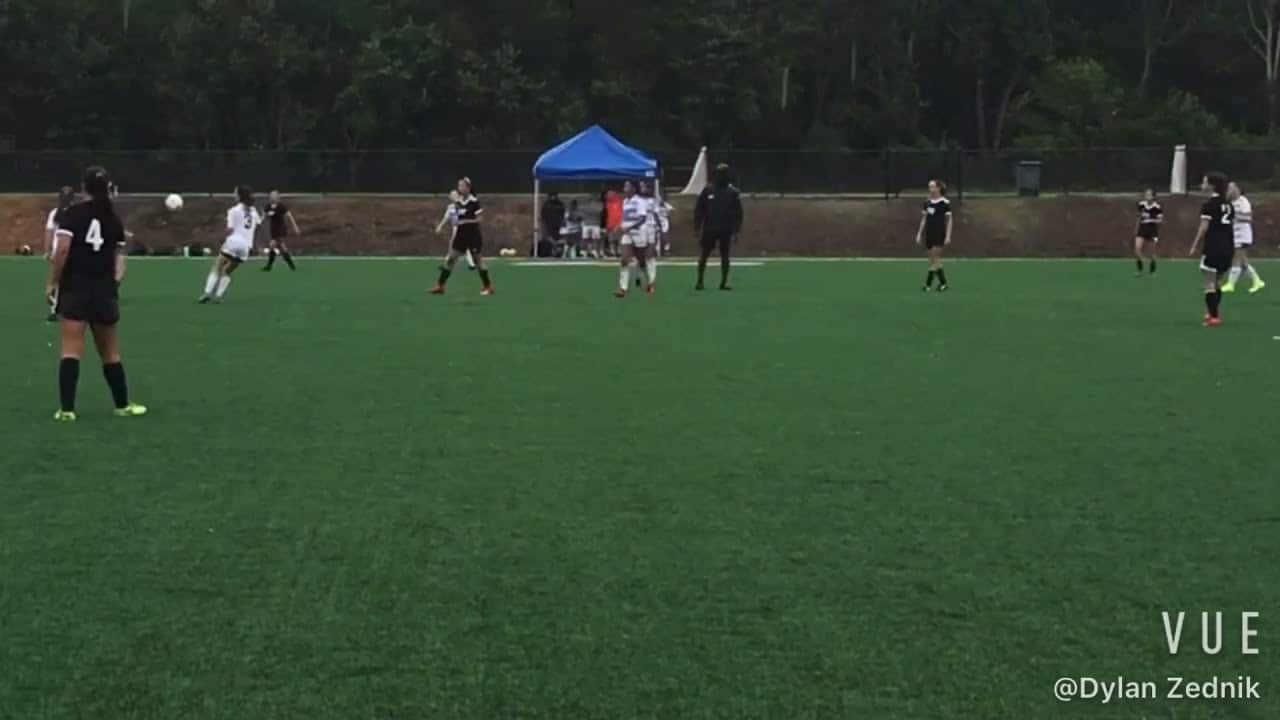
242	224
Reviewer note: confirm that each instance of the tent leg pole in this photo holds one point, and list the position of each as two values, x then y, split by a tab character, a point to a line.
537	190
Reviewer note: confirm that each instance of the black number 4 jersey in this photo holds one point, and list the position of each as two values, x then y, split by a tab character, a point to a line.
96	233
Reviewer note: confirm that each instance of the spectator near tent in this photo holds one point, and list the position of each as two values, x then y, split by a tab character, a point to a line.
592	155
552	222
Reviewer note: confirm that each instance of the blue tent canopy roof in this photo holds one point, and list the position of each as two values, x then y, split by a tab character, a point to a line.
594	154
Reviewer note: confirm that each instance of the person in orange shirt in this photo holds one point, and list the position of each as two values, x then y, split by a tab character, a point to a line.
612	220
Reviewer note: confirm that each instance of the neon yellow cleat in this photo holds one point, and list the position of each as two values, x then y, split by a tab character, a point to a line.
64	416
131	410
1228	288
1257	287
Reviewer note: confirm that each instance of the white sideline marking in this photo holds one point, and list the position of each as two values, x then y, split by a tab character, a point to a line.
614	263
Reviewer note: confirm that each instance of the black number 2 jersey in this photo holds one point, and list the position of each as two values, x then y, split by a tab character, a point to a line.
96	234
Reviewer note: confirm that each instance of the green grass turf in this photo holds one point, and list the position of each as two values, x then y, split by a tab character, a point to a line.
823	495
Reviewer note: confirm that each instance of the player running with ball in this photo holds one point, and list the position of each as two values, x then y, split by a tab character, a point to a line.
243	221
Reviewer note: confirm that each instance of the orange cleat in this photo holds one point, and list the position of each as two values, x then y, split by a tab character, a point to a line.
1212	321
651	289
437	290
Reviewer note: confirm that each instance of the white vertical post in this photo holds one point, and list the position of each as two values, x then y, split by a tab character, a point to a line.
1178	176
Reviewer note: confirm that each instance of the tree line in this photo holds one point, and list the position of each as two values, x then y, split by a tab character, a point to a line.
494	74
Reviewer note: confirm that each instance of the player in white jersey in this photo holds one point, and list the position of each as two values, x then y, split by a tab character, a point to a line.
1243	240
66	197
637	240
243	221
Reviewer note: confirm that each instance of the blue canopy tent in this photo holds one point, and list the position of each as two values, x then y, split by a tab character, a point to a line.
592	154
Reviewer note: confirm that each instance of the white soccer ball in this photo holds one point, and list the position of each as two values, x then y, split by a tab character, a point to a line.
173	202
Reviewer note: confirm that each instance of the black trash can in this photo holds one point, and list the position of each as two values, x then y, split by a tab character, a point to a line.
1027	178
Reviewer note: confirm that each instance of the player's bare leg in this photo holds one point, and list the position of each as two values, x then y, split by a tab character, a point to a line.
446	270
1138	256
651	268
72	347
106	339
228	269
1212	297
935	266
628	259
482	266
211	282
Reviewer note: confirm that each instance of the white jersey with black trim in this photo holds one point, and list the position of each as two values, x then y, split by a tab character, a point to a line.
242	224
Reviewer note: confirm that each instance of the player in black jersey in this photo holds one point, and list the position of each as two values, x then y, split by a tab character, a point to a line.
1217	231
84	274
280	221
935	232
467	238
1146	237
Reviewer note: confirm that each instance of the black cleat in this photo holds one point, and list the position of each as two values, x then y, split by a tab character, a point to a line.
205	300
942	288
266	269
725	288
926	288
53	317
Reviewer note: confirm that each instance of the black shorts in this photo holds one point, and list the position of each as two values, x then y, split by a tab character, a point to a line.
1217	259
280	236
468	241
95	302
935	242
710	241
1149	232
235	261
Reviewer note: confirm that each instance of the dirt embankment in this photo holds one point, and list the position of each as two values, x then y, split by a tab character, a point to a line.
997	227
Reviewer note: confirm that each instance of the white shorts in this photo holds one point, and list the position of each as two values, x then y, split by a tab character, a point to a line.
1243	243
237	249
641	238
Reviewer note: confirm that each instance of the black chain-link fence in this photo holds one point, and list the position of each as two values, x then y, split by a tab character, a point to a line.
873	173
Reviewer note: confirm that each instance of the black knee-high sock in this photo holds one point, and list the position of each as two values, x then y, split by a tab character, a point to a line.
68	378
942	277
445	272
484	278
702	265
1213	302
114	373
1153	265
288	260
1139	260
271	258
724	267
928	280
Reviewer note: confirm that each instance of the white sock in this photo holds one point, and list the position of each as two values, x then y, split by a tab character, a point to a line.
471	262
1252	275
210	283
624	277
223	284
652	269
1234	276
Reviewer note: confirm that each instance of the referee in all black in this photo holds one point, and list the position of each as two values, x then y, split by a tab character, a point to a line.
717	218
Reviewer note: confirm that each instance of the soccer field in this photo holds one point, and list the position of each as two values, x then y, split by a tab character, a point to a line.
824	495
